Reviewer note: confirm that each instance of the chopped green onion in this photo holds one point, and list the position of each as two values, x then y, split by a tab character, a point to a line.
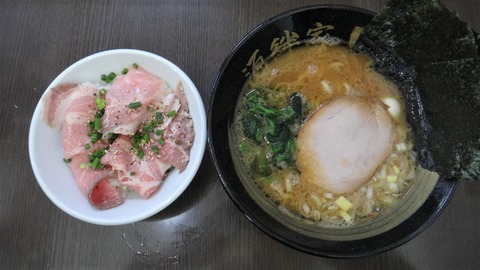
161	142
171	113
94	159
343	203
108	78
95	162
132	173
102	91
87	146
392	178
95	137
140	153
345	215
124	71
99	114
101	106
99	153
147	128
159	132
170	169
67	160
100	103
144	139
111	76
159	117
155	149
135	104
135	140
98	124
135	65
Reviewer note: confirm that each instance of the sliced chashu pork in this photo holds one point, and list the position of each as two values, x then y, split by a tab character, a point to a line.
57	101
100	186
144	175
179	135
69	107
147	174
343	143
136	86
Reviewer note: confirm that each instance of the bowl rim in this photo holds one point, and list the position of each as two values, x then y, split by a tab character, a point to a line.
192	168
312	246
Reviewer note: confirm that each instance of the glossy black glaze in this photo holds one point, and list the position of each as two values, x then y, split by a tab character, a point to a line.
226	89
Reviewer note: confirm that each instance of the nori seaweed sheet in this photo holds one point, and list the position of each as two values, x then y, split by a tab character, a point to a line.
445	40
422	31
433	57
451	98
398	20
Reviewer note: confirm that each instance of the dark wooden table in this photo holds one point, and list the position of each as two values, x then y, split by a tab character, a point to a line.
202	229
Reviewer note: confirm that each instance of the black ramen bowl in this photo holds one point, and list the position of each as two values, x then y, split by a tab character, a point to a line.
249	54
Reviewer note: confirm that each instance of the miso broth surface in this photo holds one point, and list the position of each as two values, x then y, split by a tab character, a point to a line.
322	72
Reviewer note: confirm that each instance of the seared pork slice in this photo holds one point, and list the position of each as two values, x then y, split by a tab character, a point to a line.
179	135
69	107
99	186
343	143
137	86
80	108
144	175
57	101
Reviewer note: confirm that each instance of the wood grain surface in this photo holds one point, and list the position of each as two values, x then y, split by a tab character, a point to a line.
202	229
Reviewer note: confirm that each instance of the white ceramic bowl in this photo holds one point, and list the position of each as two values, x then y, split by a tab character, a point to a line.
46	151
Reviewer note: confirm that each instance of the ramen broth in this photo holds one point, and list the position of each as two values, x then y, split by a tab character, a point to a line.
319	74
